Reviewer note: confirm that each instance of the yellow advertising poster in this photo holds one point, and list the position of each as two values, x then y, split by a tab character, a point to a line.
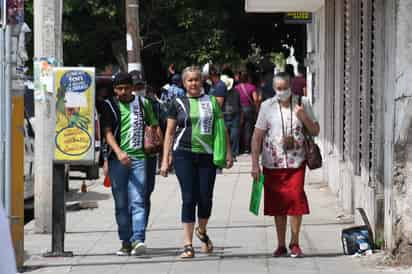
75	91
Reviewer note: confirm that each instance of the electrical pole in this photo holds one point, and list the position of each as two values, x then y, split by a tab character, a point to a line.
133	40
47	54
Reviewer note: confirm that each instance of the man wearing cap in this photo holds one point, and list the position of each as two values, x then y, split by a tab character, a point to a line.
123	119
174	90
141	89
218	88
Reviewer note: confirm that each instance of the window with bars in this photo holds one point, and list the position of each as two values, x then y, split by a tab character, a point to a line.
360	85
367	87
346	79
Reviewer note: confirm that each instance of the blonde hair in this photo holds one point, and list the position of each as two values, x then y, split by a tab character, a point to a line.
193	69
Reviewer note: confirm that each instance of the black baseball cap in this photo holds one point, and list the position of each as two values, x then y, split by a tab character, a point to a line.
137	77
122	78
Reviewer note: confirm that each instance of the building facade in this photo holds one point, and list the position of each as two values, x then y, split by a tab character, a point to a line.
359	71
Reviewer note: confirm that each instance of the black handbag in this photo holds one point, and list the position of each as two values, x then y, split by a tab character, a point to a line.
312	150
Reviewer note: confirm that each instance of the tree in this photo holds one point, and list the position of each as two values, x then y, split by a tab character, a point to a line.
182	32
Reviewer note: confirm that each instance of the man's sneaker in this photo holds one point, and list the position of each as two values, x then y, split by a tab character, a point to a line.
295	251
124	250
138	248
281	251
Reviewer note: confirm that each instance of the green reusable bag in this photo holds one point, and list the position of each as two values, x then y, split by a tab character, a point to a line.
219	131
256	195
219	143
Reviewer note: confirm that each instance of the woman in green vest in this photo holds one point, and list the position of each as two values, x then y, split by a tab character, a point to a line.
190	139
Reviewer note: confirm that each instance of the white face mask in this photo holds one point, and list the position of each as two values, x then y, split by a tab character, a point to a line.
284	95
141	92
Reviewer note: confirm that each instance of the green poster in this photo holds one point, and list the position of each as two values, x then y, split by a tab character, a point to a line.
256	195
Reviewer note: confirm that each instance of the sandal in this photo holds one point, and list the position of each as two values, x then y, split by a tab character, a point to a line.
204	238
188	252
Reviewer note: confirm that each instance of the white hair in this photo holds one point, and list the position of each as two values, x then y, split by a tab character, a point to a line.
282	76
194	69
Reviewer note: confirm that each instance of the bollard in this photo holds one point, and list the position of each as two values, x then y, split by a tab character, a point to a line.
59	213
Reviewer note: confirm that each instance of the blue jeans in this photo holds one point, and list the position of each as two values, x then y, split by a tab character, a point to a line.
196	174
151	164
129	190
232	123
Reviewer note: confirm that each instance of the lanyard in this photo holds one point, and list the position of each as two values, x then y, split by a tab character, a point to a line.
284	129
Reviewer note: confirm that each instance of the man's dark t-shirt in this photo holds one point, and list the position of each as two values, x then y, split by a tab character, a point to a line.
218	90
232	104
267	91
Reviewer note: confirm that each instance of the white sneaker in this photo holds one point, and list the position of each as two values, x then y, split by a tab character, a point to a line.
138	249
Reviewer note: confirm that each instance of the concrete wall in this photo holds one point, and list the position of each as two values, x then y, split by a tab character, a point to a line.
402	176
348	177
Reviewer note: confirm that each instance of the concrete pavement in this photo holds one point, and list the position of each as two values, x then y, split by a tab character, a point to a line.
243	242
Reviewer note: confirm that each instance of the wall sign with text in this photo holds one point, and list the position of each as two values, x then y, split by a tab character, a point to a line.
298	17
75	112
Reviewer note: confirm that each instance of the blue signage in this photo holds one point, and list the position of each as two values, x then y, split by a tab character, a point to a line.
76	81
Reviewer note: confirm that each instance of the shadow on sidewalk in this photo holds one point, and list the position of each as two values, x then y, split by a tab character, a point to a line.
160	229
87	196
202	258
165	252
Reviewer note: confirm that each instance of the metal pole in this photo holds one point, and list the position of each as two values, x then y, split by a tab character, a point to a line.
2	159
133	39
8	138
59	213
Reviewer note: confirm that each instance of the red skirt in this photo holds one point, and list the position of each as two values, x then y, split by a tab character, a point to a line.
284	192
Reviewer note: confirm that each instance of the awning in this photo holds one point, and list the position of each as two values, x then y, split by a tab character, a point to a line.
283	5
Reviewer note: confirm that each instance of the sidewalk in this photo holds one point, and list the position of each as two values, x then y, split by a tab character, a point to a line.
243	242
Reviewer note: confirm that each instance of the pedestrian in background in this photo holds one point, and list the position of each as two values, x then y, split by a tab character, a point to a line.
279	132
248	100
174	90
232	112
218	88
190	125
7	260
141	89
298	83
123	119
290	70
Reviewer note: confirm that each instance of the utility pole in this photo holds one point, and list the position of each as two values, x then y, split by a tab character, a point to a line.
133	40
47	54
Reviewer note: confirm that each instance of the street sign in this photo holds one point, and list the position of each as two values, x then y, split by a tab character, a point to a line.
298	17
75	114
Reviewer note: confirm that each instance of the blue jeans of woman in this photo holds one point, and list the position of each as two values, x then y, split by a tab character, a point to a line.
196	174
129	190
232	123
151	165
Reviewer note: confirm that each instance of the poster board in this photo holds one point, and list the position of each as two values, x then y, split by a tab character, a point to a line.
74	89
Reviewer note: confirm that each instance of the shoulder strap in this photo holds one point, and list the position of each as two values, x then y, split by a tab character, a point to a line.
141	104
244	91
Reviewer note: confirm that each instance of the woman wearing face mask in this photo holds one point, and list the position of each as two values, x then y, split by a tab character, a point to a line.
279	130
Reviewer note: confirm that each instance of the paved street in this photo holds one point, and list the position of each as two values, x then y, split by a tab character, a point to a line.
244	243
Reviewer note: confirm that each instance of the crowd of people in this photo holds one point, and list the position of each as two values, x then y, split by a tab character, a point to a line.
268	118
271	119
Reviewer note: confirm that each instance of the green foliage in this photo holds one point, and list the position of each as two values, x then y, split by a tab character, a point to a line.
182	32
278	58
